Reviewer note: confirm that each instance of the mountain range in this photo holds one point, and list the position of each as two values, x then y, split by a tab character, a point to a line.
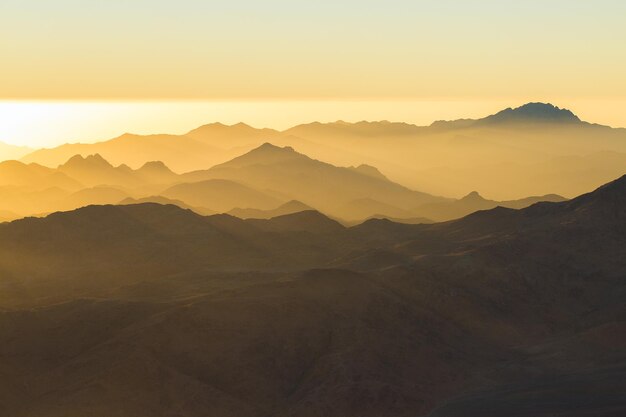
535	149
257	183
154	310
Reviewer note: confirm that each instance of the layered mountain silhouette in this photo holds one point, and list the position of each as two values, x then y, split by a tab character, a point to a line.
475	202
150	309
534	149
221	195
295	176
290	207
256	184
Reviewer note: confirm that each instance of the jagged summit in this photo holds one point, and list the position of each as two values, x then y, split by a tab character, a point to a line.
533	112
369	170
90	160
528	113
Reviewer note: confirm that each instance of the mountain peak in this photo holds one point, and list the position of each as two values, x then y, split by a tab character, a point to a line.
154	166
269	147
534	113
90	160
311	221
473	196
266	154
368	170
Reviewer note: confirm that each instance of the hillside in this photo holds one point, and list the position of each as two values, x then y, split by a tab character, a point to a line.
222	316
295	176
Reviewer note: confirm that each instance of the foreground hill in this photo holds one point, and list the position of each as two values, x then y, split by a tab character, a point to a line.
152	310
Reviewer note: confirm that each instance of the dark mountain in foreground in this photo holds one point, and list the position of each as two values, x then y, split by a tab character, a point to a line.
152	310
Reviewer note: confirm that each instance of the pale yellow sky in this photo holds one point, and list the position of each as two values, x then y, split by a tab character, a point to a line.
281	62
296	49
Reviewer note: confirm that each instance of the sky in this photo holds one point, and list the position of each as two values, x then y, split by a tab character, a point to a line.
400	51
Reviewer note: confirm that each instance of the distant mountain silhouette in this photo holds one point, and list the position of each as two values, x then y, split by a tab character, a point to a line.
295	176
304	221
34	176
289	207
220	195
533	112
166	201
237	135
528	113
363	128
475	202
178	152
446	158
95	170
156	172
252	184
369	170
9	152
364	208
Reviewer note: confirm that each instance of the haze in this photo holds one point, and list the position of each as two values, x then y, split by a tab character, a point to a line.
312	208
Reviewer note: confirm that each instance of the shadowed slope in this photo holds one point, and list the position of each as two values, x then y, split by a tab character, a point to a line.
321	185
289	207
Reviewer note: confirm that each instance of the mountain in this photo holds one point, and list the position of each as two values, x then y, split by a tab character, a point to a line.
529	147
220	195
294	176
34	176
156	172
91	196
533	113
475	202
509	155
289	207
198	149
10	152
151	310
364	208
166	201
530	113
235	136
94	170
358	129
310	221
369	170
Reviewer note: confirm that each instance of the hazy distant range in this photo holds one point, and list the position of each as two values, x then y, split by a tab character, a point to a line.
536	149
